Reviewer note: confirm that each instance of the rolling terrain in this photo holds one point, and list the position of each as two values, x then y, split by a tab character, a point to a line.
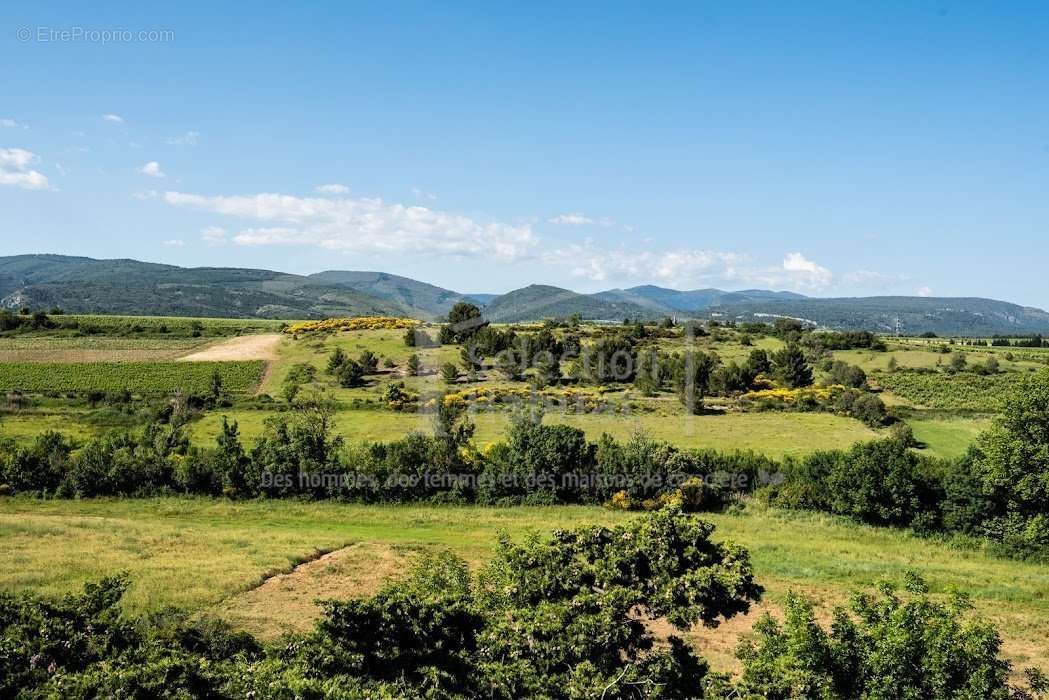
86	285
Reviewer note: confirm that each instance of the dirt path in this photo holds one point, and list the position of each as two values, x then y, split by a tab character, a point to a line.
262	346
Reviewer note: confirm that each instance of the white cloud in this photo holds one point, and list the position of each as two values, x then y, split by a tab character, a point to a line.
113	118
577	218
925	292
175	242
213	235
361	225
12	124
807	273
15	170
423	194
190	138
676	267
571	219
683	268
334	188
152	168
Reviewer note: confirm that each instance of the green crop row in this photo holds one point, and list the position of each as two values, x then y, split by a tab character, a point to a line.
961	391
136	377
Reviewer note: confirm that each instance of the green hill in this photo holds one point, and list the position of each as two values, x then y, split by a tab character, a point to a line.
943	316
86	285
539	301
672	301
435	301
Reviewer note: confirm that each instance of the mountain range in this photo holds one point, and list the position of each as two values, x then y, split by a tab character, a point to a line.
87	285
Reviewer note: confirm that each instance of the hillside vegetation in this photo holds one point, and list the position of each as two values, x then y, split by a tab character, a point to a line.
89	286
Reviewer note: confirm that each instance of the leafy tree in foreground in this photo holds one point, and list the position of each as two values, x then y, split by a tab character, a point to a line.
560	618
885	646
563	617
1011	465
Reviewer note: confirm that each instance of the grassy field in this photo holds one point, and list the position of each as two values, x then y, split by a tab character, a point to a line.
226	558
947	437
774	434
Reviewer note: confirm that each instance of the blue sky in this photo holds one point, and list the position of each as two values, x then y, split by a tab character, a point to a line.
832	149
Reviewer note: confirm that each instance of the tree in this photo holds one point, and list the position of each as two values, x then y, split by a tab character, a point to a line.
649	379
417	337
453	430
470	357
369	362
336	360
464	320
692	377
791	367
758	362
350	374
449	372
1012	466
215	386
414	365
888	646
550	618
511	364
846	375
957	363
546	369
231	460
732	379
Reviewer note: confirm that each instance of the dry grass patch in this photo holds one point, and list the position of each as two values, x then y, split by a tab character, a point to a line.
289	602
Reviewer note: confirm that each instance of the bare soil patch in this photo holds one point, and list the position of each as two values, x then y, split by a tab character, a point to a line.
288	602
262	346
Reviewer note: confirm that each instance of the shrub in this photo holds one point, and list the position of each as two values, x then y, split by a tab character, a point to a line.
845	374
886	646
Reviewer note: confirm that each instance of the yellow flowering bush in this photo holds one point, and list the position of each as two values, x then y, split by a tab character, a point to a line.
571	398
792	396
356	323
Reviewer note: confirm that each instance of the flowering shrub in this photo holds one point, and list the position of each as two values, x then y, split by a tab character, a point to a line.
357	323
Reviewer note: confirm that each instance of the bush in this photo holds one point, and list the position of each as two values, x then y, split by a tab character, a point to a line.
887	646
846	375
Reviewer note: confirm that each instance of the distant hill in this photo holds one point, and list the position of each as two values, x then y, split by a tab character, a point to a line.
943	316
86	285
480	299
539	301
671	300
409	293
